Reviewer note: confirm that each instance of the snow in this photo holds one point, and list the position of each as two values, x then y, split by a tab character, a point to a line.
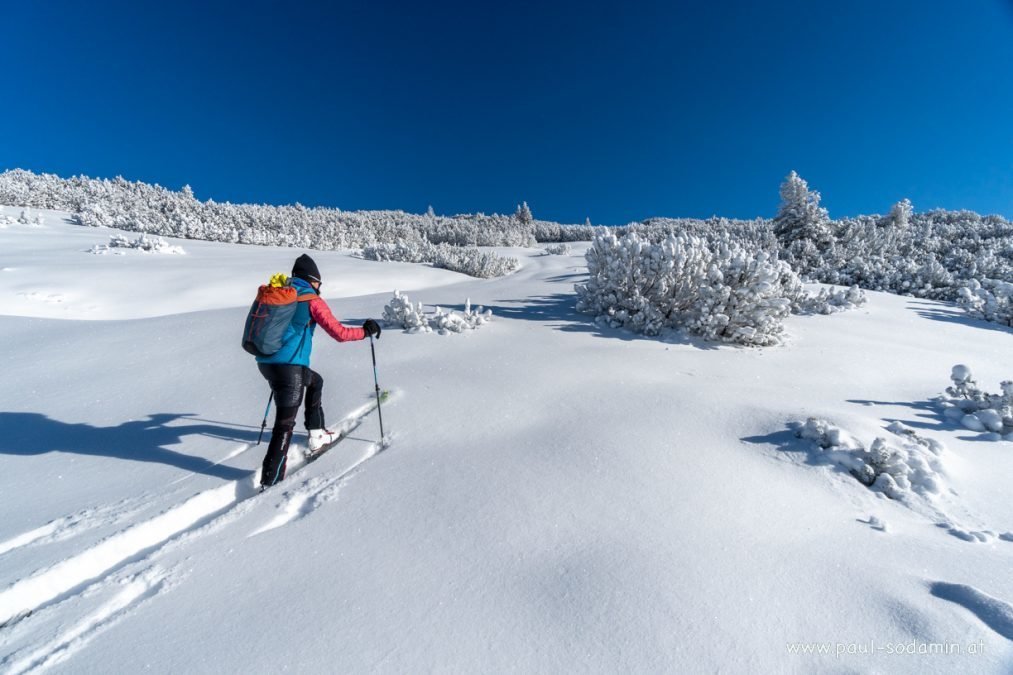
558	496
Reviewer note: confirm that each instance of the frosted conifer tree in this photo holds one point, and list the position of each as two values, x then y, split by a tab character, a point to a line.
523	214
802	225
900	214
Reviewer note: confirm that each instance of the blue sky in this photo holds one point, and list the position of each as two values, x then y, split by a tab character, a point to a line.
613	111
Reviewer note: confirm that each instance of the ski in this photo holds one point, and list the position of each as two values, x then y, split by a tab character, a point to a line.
350	424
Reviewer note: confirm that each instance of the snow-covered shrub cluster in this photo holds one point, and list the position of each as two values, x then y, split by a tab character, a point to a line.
546	231
928	255
902	466
26	219
145	244
400	312
558	249
152	209
828	301
755	234
708	286
988	299
966	404
467	260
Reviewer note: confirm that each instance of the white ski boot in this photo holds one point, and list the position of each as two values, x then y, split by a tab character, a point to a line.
321	438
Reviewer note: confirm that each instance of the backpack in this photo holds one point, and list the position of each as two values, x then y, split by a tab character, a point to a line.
270	316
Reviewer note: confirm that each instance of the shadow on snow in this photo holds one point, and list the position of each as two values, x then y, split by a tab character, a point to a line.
928	416
560	311
147	440
951	313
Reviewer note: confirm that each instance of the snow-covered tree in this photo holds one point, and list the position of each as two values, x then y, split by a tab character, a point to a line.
901	212
523	214
802	225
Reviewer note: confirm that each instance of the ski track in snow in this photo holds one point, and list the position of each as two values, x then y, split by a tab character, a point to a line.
199	515
232	455
133	591
312	494
70	526
74	574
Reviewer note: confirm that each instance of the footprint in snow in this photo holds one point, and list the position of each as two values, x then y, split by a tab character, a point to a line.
875	523
973	536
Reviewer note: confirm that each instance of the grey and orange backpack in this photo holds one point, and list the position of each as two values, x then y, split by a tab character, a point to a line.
270	316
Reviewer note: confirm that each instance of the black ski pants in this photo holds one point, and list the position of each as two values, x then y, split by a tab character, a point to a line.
288	382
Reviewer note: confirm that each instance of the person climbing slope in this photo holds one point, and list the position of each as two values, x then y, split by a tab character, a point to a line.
289	374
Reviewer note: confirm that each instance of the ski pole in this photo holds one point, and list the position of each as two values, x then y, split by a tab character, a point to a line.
263	424
376	382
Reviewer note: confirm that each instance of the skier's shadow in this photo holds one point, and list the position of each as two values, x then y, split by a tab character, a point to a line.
146	440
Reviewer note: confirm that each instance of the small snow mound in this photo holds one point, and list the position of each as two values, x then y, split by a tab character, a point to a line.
908	465
960	374
994	613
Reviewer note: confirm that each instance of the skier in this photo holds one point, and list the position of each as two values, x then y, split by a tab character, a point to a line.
288	371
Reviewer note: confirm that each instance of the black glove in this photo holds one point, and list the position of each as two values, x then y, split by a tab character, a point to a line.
372	328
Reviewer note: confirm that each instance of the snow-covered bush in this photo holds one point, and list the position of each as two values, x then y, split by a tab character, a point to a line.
900	467
466	260
400	312
457	322
829	301
27	219
966	404
988	299
144	243
558	249
718	291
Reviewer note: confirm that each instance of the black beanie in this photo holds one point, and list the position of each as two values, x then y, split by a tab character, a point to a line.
305	269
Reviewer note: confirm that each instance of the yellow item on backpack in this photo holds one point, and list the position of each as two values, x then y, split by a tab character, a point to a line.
279	280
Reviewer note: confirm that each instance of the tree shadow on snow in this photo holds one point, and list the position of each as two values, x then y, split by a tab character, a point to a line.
560	311
951	313
928	416
796	448
147	440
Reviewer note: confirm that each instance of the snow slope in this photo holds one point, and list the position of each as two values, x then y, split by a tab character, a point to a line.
557	497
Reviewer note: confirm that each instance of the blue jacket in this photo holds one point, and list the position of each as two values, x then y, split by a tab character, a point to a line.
298	340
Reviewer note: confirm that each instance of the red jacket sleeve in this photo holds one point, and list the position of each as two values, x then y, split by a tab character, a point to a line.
321	313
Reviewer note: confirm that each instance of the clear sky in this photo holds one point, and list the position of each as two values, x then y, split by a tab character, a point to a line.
613	111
